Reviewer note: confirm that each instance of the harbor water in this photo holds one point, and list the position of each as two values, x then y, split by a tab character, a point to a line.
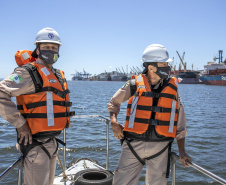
205	108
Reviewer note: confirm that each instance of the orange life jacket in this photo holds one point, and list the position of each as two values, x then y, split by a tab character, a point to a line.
140	108
23	57
48	109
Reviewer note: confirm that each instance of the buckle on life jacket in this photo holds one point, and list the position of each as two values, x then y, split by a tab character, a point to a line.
69	114
157	109
59	93
68	104
153	122
152	94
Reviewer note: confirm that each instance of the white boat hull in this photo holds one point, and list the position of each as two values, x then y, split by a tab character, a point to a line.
80	167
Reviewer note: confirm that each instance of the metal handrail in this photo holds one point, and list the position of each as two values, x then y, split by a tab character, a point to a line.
18	162
175	157
107	124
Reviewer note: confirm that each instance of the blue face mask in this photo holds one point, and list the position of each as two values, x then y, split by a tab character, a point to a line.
49	56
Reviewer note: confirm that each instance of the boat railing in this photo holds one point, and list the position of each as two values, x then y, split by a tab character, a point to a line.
18	163
174	158
107	121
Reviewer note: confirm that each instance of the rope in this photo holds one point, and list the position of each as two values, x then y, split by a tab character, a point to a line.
61	165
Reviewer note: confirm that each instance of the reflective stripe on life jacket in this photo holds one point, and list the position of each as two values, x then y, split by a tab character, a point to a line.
140	108
48	109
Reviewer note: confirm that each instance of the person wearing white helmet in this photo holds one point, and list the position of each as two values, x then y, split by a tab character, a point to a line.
154	118
42	96
47	46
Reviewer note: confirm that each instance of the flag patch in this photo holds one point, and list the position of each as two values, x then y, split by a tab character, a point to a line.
16	78
123	85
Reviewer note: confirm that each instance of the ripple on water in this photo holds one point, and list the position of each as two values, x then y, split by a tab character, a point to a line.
205	108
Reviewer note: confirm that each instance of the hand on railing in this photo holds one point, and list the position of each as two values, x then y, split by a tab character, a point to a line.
183	158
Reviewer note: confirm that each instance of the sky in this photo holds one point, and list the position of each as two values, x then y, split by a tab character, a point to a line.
102	35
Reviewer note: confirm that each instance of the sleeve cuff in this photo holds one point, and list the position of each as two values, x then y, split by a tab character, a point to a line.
19	122
181	135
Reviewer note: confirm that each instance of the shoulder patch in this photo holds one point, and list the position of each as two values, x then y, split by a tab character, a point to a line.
16	78
123	85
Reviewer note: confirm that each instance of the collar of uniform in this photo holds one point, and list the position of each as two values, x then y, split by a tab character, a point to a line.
39	61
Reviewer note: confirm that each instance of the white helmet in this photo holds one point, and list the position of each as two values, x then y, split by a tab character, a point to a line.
155	53
48	35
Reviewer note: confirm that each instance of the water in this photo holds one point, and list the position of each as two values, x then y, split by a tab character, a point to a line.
205	108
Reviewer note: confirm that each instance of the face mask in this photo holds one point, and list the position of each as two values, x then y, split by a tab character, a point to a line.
163	72
49	56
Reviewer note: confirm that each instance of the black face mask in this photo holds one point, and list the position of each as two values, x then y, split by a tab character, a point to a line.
162	72
49	56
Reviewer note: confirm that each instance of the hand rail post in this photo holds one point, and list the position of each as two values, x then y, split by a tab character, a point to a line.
173	168
107	147
107	157
64	155
20	170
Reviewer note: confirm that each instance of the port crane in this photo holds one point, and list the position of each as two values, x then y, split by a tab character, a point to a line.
85	74
78	73
138	69
220	52
172	66
137	72
132	70
123	71
182	62
119	70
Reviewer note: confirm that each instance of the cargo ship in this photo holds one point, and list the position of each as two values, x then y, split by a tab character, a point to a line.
84	76
186	76
189	77
214	74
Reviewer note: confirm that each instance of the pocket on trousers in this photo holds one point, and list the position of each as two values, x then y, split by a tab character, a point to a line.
32	155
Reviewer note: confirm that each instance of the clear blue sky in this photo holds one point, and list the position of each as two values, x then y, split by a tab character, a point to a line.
99	35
